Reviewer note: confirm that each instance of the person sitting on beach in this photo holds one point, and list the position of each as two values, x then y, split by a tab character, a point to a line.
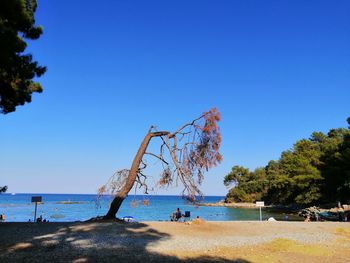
176	215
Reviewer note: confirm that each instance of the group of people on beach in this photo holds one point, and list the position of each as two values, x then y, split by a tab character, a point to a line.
176	215
39	219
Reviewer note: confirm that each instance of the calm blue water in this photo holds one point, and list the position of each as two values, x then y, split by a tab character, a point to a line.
19	208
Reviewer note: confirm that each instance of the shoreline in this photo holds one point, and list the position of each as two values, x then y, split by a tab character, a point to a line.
278	208
234	205
323	208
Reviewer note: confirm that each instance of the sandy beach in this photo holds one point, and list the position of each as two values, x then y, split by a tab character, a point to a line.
197	241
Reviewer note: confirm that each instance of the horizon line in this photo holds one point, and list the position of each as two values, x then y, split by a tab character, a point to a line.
13	193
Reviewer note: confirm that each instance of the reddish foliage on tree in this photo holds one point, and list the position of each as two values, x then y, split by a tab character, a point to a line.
185	155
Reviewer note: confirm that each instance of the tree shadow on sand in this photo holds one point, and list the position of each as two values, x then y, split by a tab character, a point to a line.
86	242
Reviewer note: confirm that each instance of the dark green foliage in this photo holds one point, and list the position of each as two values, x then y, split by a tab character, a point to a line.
250	185
17	70
336	165
3	189
316	170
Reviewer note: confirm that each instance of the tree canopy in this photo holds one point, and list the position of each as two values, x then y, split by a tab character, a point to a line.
17	70
314	171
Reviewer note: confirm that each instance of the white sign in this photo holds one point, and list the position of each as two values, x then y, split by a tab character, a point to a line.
259	204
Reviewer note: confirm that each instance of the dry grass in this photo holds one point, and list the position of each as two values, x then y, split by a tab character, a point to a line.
344	232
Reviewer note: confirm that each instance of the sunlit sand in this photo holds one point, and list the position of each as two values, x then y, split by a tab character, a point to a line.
196	241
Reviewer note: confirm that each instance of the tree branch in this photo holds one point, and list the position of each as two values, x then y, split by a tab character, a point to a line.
157	156
186	125
159	133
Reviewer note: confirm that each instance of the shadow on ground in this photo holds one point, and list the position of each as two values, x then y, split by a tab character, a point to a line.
86	242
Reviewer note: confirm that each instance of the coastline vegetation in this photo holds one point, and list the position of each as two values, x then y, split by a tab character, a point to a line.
315	171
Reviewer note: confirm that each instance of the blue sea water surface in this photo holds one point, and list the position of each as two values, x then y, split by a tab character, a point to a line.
54	207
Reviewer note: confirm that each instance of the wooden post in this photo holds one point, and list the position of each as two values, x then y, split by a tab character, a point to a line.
260	214
36	199
36	205
260	204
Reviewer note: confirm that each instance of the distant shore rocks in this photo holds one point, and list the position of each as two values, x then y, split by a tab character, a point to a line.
57	216
224	204
311	212
70	202
333	214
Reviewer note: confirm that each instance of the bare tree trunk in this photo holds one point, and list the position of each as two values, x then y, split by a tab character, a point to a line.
123	193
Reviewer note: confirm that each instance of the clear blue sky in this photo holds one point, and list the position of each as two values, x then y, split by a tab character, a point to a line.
277	70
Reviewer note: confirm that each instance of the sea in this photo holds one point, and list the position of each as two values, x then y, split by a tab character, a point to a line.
80	207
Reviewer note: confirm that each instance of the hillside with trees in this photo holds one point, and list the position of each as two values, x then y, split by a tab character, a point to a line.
315	171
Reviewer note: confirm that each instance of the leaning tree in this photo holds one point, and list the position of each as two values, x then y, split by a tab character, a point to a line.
185	155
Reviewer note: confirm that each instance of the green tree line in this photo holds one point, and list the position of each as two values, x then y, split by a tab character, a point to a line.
314	171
